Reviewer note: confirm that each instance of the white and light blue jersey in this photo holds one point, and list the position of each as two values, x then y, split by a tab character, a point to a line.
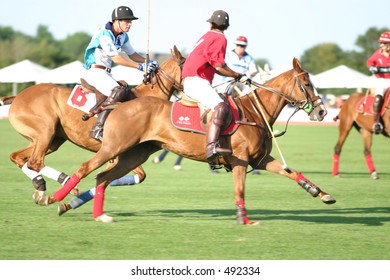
104	45
243	65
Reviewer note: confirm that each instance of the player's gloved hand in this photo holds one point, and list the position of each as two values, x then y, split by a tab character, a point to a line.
141	66
242	78
151	66
373	69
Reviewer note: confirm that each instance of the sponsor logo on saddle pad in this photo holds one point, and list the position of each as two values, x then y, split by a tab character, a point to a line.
81	100
188	118
184	120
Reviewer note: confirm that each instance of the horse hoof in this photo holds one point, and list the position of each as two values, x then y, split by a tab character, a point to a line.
36	196
43	200
374	175
328	199
75	191
104	218
63	208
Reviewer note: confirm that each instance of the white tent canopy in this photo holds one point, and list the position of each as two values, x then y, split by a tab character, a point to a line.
22	72
67	74
342	77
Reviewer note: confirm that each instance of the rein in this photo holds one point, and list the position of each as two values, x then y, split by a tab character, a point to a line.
307	105
160	74
177	85
294	102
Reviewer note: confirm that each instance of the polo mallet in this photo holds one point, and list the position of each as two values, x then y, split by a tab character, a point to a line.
147	43
284	166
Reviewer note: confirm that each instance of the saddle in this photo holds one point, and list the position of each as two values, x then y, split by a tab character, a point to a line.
366	105
186	115
88	99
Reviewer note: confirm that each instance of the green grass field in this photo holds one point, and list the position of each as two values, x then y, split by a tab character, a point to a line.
190	214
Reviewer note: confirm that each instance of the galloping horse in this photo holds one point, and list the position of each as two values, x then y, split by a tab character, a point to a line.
350	116
251	143
40	113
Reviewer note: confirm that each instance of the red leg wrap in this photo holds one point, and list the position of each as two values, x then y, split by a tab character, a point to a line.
369	163
242	219
69	185
335	170
300	177
98	202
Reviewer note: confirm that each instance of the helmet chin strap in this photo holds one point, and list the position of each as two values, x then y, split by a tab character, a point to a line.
120	27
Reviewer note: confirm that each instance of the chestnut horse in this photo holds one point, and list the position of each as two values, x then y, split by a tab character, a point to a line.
251	143
40	113
350	117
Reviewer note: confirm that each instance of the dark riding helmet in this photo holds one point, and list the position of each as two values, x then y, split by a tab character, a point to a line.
220	18
123	12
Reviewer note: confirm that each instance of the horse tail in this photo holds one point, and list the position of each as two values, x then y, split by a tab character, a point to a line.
7	100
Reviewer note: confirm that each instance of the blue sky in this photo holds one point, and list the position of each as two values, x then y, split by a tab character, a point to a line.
277	30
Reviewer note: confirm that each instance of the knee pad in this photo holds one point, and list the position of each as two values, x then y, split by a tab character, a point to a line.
222	114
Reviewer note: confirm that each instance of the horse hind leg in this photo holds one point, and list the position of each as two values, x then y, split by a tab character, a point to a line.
31	164
21	159
367	140
345	127
274	166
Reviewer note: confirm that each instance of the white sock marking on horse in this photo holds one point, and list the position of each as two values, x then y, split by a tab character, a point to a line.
50	173
29	173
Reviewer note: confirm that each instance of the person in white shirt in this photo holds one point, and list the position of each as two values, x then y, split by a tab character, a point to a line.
240	61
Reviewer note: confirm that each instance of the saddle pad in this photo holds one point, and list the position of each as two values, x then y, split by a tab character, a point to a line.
81	100
366	105
188	118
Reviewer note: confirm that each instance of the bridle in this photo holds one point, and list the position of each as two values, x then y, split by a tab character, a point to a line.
308	104
158	76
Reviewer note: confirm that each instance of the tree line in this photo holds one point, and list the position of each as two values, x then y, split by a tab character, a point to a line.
45	50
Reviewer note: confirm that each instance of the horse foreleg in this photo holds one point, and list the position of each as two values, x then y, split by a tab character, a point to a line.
77	201
125	162
239	177
367	140
275	166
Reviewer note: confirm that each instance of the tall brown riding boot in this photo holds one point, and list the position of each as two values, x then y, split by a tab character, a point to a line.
218	120
377	127
118	94
97	129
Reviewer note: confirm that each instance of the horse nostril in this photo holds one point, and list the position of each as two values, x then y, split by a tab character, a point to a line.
322	113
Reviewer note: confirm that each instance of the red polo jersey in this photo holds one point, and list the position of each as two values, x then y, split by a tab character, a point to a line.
208	53
379	60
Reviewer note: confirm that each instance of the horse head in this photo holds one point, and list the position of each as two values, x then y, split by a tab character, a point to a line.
305	95
167	78
294	87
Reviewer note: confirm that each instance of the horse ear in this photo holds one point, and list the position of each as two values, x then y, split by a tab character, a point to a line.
176	53
297	65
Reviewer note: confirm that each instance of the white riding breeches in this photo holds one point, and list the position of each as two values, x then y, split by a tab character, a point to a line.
381	85
100	79
201	90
